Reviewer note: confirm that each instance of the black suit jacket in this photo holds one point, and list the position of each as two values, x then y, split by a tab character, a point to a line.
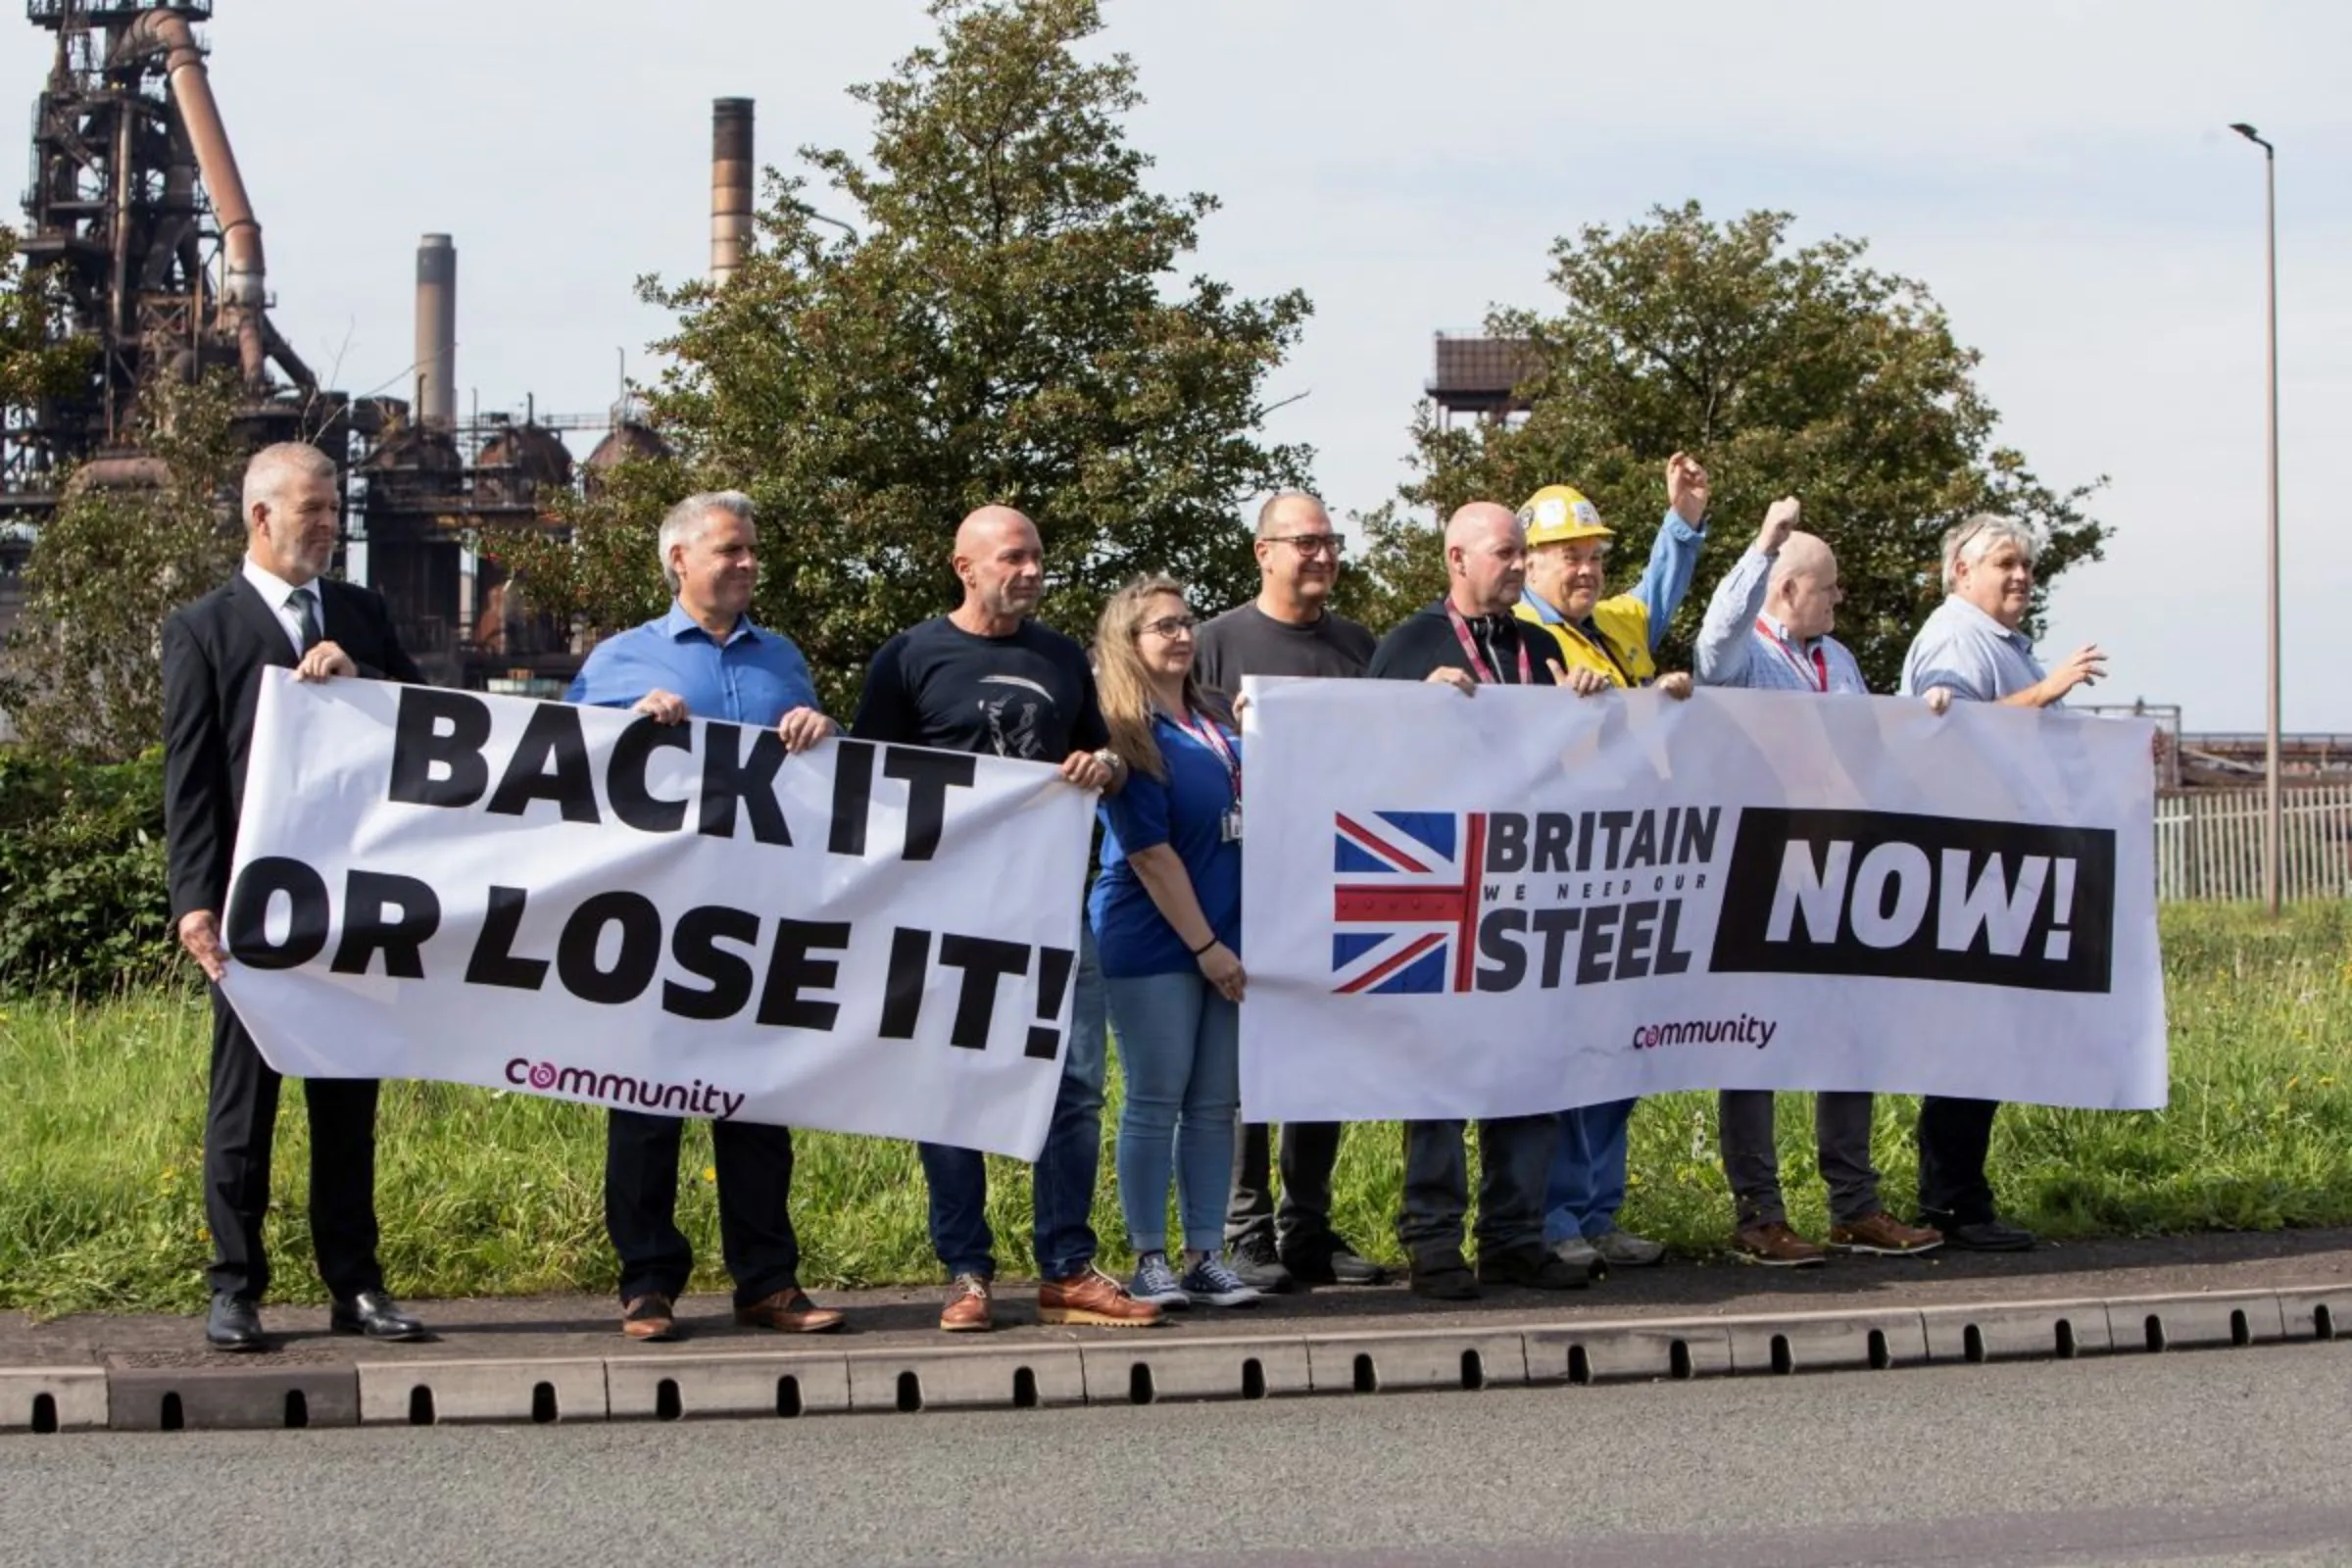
215	650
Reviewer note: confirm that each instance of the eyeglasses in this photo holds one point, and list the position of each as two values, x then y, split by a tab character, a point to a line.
1169	626
1311	544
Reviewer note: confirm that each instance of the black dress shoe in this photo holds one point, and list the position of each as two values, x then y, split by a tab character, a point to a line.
1985	1235
1329	1261
376	1315
1444	1277
234	1324
1535	1268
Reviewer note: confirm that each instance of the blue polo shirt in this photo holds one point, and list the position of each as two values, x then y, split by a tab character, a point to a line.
1968	653
754	677
1186	811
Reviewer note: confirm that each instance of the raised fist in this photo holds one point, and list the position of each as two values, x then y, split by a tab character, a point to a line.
1780	521
1686	488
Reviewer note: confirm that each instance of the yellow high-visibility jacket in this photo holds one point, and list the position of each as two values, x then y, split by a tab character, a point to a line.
1624	627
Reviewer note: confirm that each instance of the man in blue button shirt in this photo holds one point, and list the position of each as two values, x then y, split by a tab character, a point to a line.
1974	649
704	658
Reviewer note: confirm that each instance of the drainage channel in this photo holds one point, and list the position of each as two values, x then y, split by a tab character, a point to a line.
790	1386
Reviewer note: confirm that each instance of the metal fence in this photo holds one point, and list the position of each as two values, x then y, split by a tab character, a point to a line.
2209	842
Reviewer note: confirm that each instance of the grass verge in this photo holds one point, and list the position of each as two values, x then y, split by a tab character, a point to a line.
481	1193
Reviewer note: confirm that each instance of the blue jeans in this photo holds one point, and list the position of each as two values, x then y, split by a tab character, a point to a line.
1180	1045
1587	1172
1063	1179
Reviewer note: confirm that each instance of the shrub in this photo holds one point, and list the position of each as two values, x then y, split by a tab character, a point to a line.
83	904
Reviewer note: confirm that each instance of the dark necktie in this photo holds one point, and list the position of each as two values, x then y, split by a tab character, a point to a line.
305	603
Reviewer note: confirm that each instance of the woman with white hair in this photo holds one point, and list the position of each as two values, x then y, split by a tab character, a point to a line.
1974	649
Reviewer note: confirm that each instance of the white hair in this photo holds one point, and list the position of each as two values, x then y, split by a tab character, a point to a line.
267	475
1970	538
683	524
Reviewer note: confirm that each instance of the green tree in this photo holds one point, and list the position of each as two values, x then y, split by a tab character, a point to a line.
1787	370
36	360
1006	323
84	676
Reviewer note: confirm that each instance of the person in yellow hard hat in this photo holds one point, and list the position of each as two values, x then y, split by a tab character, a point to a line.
1611	642
1605	643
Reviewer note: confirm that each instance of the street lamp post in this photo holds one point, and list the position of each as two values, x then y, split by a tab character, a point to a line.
2273	834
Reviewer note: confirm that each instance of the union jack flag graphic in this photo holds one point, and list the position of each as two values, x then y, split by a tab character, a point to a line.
1405	901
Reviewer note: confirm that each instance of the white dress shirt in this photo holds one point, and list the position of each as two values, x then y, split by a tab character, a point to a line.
279	595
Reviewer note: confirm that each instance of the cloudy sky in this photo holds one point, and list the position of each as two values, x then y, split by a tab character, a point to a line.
2057	172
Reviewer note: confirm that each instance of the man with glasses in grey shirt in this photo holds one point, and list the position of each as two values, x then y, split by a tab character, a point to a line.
1974	650
1287	630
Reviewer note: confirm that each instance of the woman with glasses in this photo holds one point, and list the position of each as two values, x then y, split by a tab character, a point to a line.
1166	912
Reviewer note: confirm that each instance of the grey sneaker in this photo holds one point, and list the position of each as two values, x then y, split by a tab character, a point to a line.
1209	1279
1155	1281
1255	1262
1577	1251
1618	1248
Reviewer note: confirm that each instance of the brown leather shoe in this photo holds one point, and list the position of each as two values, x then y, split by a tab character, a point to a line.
649	1318
1091	1296
789	1311
968	1309
1775	1246
1885	1236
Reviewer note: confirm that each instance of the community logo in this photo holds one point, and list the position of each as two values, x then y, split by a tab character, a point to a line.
697	1098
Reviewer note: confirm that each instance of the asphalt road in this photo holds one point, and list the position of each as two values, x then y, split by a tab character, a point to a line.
2226	1456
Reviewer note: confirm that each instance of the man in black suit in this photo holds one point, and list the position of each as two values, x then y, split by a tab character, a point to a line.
276	611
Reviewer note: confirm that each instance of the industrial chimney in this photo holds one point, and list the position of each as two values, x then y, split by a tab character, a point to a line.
731	176
437	332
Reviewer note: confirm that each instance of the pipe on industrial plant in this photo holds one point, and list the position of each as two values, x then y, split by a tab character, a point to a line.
732	173
437	332
119	474
244	287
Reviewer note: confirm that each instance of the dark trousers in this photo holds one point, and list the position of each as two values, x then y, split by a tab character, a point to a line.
1954	1138
756	1238
239	1128
1752	1157
1309	1150
1514	1158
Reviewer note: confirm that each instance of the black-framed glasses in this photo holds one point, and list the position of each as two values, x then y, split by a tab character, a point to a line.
1311	544
1169	626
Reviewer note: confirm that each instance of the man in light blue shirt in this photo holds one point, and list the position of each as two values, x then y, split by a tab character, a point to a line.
705	659
1973	650
1768	626
1768	629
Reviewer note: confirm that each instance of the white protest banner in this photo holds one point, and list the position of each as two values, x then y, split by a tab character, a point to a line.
578	902
1525	900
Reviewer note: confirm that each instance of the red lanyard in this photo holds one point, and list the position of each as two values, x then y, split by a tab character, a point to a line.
1210	737
1478	666
1819	674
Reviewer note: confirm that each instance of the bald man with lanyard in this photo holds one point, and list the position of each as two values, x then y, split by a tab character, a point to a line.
1605	643
1768	629
1467	640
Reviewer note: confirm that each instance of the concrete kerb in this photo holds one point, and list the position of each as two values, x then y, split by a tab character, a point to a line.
1148	1368
1143	1371
982	1377
2317	1313
54	1399
428	1393
2010	1330
230	1398
1431	1358
666	1388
